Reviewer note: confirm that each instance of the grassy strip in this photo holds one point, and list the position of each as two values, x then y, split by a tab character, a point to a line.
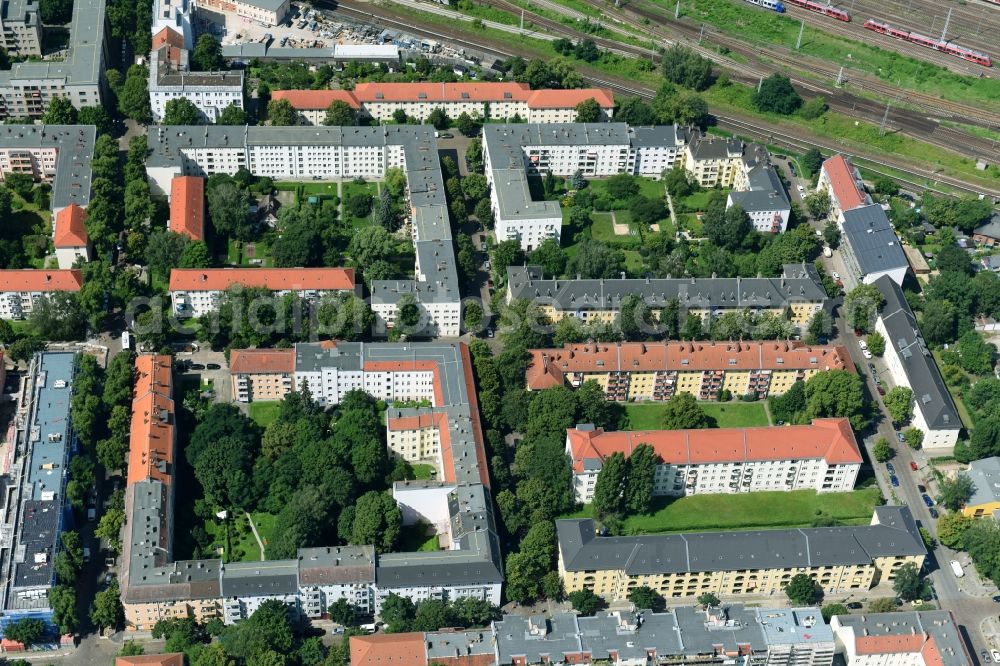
750	24
858	134
765	510
649	416
264	413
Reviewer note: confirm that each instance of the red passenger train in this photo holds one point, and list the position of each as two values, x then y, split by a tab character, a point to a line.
820	8
931	43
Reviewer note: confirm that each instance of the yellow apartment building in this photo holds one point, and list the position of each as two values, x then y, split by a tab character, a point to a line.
840	559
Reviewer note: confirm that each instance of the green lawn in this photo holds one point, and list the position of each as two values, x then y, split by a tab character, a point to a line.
352	189
765	510
423	472
697	201
649	416
264	413
736	414
327	189
240	254
414	539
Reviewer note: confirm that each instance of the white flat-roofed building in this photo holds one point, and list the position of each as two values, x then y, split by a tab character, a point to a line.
512	153
22	28
870	247
265	12
915	638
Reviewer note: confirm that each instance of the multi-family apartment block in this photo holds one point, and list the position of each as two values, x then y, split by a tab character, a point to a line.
58	154
170	78
870	247
713	161
512	153
198	291
22	28
27	87
262	374
758	190
458	504
294	153
799	292
915	638
265	12
155	587
823	456
910	364
34	474
769	637
842	181
761	562
636	371
69	236
985	500
500	100
187	207
22	289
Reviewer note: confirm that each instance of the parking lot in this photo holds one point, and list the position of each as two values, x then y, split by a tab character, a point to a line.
302	28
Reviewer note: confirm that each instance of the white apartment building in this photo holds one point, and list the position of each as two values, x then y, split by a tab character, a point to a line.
22	28
210	92
842	181
512	153
27	87
760	193
58	154
870	247
914	638
21	290
198	291
713	160
823	456
483	99
265	12
910	364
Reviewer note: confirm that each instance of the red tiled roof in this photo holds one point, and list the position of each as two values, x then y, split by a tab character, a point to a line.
187	206
261	361
171	659
174	42
547	367
314	100
405	649
841	176
829	439
36	280
568	99
274	279
889	644
71	228
151	436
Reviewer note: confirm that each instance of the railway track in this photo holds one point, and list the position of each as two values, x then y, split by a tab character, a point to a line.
972	25
367	12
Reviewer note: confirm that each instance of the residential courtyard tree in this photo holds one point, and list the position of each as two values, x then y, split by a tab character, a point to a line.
682	412
953	493
907	583
883	450
899	403
802	590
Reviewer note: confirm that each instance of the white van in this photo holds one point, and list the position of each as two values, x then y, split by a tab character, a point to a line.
956	569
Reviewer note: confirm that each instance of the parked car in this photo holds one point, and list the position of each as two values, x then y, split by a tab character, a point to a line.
986	657
855	605
913	466
866	353
996	656
900	437
881	391
892	468
196	366
894	481
927	500
933	512
871	366
863	343
921	488
836	276
446	135
214	366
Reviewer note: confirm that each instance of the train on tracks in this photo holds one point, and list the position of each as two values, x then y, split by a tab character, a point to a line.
821	8
929	42
818	7
773	5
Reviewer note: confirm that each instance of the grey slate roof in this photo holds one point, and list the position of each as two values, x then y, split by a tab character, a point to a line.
873	241
985	475
657	135
75	145
938	625
991	228
766	191
709	147
799	283
724	551
683	631
83	65
923	376
259	579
